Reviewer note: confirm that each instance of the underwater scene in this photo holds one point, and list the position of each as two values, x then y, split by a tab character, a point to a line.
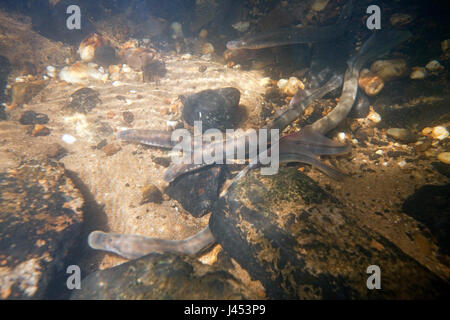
224	150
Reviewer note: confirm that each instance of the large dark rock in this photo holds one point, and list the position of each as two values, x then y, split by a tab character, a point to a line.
161	277
40	219
431	206
197	192
83	100
215	108
301	243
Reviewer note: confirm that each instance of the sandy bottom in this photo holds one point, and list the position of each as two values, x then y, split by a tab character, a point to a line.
112	184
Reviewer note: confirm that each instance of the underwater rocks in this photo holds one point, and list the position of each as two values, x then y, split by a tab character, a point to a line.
390	69
40	221
215	108
31	117
80	72
23	92
402	135
444	157
370	82
161	277
431	206
197	192
83	100
301	243
151	193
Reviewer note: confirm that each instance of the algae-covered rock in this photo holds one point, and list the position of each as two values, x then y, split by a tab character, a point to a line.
161	277
40	219
302	243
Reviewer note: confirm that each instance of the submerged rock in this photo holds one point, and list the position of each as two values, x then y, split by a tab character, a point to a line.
197	192
370	82
40	220
151	193
31	117
403	135
161	277
83	100
23	92
390	69
215	108
431	206
301	243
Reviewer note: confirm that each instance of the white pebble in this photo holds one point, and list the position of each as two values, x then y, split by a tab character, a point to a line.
418	73
434	66
126	68
379	152
439	133
374	117
186	56
67	138
341	136
402	163
132	91
116	83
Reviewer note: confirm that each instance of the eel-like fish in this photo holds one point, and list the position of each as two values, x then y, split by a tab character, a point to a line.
133	246
294	35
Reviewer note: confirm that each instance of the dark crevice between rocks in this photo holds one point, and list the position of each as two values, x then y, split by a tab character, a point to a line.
94	218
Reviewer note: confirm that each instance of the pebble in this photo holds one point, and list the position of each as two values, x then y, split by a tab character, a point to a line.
51	71
55	151
434	66
319	5
128	117
150	193
186	56
341	136
374	116
370	83
40	130
402	135
291	86
389	69
207	48
439	133
418	73
31	117
426	131
111	149
67	138
444	157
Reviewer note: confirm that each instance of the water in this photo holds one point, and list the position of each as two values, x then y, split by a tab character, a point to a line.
64	173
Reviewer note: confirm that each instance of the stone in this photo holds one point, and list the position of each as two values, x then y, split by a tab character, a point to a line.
83	100
319	5
151	193
370	82
198	191
430	205
23	92
402	135
111	149
302	243
439	133
161	277
398	19
31	117
418	73
390	69
40	222
215	108
444	157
